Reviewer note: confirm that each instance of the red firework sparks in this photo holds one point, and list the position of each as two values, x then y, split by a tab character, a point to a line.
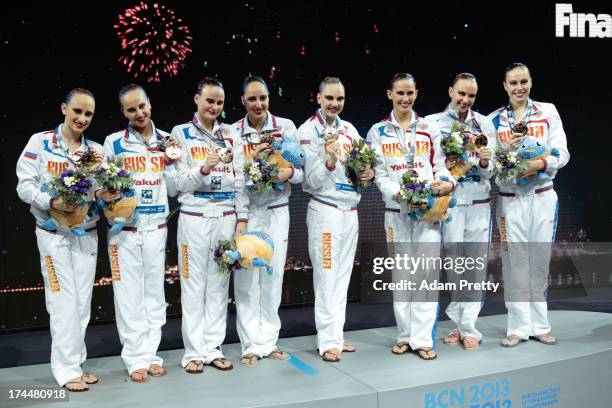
155	42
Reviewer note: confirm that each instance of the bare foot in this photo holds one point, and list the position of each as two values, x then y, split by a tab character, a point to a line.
331	355
277	354
195	367
140	375
400	348
347	347
89	378
157	371
76	385
426	353
249	360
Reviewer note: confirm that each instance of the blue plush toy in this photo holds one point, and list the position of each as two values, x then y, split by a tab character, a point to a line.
287	154
531	149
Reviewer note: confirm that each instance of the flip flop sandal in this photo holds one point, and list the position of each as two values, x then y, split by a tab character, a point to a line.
345	350
472	343
159	373
452	338
539	338
196	370
250	357
142	372
75	389
512	344
279	352
428	358
221	360
89	382
400	345
335	359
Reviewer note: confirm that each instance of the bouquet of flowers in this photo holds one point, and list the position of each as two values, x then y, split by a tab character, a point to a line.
414	194
73	186
457	143
422	201
361	158
508	163
260	174
113	177
222	257
456	146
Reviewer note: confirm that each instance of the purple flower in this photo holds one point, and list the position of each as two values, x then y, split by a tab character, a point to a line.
74	188
67	173
122	173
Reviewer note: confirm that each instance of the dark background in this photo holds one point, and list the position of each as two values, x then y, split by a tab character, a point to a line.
47	49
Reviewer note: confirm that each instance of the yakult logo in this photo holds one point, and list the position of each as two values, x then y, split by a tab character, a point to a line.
600	25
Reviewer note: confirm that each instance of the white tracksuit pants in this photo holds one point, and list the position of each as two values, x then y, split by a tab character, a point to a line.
138	268
332	242
467	235
258	295
204	289
68	266
527	226
416	312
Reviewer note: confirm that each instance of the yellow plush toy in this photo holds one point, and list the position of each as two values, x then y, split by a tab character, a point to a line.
253	249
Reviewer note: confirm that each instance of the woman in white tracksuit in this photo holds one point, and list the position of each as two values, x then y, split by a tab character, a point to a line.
67	261
468	233
210	182
404	141
332	214
258	294
138	252
527	215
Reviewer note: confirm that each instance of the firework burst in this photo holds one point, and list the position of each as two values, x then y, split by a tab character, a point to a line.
154	41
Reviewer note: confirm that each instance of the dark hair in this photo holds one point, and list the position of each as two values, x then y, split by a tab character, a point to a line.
464	75
253	78
129	88
329	81
77	91
399	76
211	81
516	65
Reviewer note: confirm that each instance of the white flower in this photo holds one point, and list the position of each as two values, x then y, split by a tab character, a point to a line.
112	169
457	138
69	181
498	166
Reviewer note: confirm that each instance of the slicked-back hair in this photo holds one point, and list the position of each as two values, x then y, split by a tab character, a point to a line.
399	76
75	91
329	81
516	65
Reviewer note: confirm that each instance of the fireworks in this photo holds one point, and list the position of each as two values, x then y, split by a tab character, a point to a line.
154	41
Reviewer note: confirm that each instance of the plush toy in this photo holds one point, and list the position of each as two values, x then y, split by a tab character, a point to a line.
532	149
253	249
122	211
72	220
286	155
